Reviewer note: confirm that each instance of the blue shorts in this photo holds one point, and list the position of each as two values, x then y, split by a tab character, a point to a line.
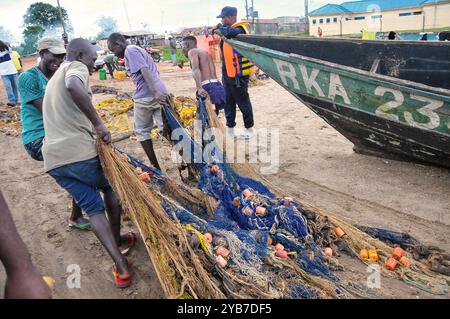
84	180
216	94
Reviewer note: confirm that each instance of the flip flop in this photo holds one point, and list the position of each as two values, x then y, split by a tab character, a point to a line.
122	280
131	242
81	223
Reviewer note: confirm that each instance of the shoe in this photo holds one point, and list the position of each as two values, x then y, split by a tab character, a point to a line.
230	132
248	134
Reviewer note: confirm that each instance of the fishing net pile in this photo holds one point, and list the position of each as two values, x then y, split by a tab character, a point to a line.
238	236
10	121
114	113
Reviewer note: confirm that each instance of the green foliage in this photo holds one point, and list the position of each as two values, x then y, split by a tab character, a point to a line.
31	36
44	15
42	19
166	56
107	26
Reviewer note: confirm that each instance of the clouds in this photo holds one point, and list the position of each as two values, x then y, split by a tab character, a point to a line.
159	15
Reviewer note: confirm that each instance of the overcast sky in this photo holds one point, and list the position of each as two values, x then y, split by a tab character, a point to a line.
160	15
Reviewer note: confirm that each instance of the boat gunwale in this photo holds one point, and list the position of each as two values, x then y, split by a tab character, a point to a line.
390	80
358	41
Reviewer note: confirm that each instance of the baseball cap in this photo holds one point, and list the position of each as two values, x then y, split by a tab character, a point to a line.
55	46
228	12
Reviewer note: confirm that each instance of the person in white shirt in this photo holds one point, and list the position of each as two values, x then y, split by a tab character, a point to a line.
9	75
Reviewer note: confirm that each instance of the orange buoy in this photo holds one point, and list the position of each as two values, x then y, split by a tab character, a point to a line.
222	251
397	252
269	241
281	254
364	254
373	255
145	177
261	211
279	247
328	252
221	261
391	264
247	193
208	237
405	261
339	232
215	169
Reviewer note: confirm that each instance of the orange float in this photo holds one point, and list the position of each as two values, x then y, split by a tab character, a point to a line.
281	254
391	264
215	169
339	232
145	177
364	254
261	211
397	252
405	261
208	237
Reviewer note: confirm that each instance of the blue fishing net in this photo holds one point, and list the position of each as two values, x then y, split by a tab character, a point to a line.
235	215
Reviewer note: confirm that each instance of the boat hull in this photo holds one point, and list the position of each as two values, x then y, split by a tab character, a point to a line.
381	115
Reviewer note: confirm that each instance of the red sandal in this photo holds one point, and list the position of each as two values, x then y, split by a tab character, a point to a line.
122	280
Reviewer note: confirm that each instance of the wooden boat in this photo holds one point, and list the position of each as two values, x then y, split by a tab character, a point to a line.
390	99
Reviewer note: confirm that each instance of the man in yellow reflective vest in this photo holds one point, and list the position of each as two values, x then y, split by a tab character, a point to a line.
236	71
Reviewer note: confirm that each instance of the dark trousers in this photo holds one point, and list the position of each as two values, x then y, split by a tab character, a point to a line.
111	68
236	91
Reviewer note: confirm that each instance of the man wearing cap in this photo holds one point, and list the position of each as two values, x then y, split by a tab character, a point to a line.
32	85
236	70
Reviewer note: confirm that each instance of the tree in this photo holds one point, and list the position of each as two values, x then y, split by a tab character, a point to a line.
31	36
6	35
42	19
107	26
44	15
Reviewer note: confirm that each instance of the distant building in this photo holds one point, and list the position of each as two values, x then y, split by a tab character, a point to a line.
278	25
379	15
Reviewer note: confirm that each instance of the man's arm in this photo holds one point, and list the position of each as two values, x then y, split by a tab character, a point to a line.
82	99
38	104
196	72
23	279
229	32
145	71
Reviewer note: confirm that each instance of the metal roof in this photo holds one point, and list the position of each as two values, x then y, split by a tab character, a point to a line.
370	5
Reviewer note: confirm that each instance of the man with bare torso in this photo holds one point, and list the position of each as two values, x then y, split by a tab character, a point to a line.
204	73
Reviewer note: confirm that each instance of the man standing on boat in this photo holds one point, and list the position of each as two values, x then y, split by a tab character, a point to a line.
236	71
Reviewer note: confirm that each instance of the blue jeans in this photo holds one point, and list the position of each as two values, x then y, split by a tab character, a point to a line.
83	180
174	59
11	87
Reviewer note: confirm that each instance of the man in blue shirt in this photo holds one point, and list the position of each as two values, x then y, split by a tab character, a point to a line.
235	79
32	85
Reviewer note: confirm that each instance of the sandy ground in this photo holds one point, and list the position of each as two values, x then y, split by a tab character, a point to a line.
317	164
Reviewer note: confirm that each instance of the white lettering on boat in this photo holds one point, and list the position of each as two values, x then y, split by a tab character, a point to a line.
310	81
287	71
427	110
385	108
336	88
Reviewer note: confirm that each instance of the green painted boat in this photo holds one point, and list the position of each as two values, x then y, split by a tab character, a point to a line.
390	99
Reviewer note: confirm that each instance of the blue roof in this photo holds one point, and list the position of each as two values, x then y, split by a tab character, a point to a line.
370	5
